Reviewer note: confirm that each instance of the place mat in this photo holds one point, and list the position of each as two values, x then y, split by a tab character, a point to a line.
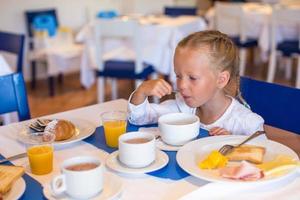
171	171
33	190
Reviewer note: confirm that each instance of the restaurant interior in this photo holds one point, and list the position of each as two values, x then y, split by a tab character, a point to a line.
71	66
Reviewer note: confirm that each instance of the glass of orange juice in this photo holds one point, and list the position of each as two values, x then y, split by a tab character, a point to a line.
114	123
40	153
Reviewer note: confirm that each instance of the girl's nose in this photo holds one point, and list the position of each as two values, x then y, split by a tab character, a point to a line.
181	84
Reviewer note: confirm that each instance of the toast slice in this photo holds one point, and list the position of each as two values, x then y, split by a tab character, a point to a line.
251	153
8	175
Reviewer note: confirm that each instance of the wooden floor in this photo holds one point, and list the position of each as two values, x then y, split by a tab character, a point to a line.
71	95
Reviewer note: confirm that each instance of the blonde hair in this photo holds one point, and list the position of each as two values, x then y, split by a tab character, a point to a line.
222	54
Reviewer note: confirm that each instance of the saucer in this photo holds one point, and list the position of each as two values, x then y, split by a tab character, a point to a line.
112	187
166	147
113	163
159	143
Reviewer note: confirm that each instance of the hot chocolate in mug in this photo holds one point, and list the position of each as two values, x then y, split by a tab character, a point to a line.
81	178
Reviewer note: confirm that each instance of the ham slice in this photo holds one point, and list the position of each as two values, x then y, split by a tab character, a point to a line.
245	171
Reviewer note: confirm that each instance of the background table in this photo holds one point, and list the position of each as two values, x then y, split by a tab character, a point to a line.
159	35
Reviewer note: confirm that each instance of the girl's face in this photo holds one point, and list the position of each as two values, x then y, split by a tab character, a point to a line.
197	82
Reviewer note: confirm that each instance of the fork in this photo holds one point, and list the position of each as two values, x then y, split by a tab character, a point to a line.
227	148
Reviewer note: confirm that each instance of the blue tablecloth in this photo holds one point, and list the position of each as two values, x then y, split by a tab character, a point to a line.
172	170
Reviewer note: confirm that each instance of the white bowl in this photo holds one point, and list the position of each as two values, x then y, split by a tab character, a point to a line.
178	128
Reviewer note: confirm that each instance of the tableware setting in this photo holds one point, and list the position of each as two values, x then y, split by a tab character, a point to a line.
178	128
158	142
67	130
191	158
83	177
114	123
40	150
113	162
137	154
16	191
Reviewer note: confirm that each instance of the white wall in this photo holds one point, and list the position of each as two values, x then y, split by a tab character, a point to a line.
71	13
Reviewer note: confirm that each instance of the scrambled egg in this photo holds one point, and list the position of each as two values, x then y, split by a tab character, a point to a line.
214	160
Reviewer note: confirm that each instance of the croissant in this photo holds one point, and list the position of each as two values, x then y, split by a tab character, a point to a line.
62	129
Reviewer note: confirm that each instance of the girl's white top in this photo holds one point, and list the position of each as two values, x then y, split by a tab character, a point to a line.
237	119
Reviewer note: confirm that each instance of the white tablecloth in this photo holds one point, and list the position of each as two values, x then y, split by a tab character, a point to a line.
60	53
160	36
146	186
258	25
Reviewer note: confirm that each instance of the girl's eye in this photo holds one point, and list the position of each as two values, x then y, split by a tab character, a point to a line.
193	78
178	77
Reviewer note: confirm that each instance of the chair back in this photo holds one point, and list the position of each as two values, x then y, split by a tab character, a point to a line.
230	19
117	29
41	19
13	96
284	16
13	43
277	104
177	11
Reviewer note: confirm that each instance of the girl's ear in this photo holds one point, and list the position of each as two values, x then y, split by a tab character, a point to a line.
223	79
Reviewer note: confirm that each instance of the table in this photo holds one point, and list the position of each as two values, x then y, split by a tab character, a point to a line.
147	186
159	35
59	52
258	25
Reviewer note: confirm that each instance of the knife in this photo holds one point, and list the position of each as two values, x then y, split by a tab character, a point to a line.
21	155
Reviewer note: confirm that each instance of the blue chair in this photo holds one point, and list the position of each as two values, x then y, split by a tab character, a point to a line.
13	43
277	104
114	68
41	19
13	96
107	14
230	20
284	16
45	22
177	11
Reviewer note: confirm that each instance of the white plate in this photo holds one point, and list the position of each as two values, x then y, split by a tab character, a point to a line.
16	191
112	188
84	129
192	153
113	162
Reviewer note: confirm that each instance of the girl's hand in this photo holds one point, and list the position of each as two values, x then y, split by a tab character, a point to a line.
218	131
158	88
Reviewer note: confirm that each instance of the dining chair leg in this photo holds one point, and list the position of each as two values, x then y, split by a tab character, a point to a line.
298	73
243	54
114	88
100	88
33	74
288	68
272	67
60	78
51	85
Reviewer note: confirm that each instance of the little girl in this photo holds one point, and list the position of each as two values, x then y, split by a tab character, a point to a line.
206	68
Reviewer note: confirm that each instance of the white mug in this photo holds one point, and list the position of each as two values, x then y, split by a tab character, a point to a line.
81	178
178	128
137	149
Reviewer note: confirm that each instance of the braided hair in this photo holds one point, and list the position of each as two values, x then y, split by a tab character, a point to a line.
222	54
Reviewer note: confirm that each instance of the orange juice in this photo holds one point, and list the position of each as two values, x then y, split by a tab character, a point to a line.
40	159
112	131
